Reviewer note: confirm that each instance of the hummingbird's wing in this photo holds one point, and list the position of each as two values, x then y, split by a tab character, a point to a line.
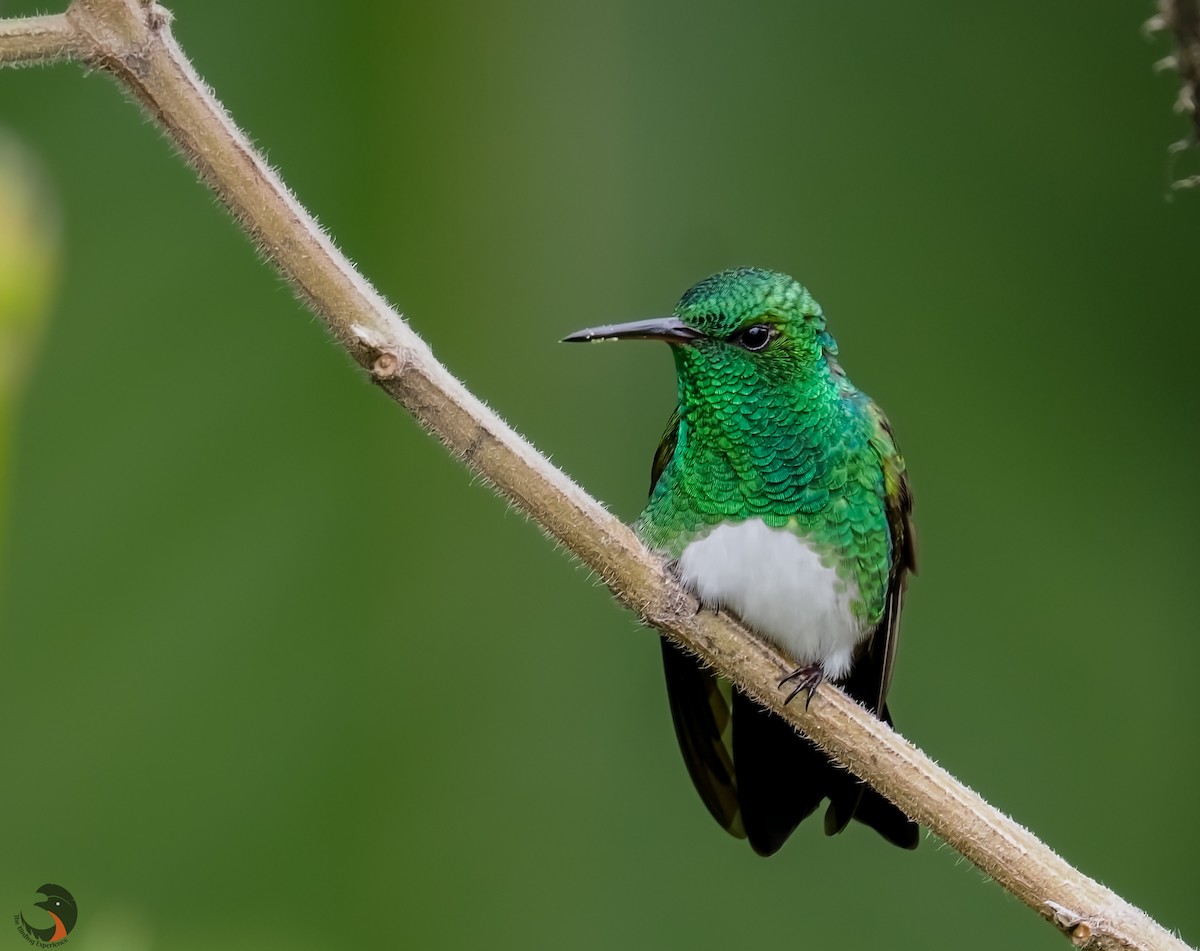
701	708
871	675
701	702
665	450
898	497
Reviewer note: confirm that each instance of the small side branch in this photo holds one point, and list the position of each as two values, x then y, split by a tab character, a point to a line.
45	39
131	39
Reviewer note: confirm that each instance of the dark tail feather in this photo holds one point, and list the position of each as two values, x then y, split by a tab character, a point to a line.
851	798
846	795
781	776
886	818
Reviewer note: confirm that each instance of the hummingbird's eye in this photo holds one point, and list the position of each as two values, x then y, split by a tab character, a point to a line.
755	337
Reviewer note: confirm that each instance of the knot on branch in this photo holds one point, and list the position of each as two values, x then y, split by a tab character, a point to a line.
137	63
1079	928
120	33
378	355
387	365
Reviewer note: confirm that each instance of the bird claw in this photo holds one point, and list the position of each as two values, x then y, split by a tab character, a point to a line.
808	678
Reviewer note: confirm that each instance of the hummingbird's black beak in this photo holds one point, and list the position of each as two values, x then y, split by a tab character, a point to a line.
666	329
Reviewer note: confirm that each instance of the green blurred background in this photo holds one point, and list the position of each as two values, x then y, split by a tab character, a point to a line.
278	673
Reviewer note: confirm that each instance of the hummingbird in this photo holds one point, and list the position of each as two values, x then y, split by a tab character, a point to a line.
777	493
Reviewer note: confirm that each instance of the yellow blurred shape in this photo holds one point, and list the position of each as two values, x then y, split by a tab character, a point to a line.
29	249
29	255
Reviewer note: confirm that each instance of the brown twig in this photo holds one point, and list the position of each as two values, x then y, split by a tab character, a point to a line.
45	39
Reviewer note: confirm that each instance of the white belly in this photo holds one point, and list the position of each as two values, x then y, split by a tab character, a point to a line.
775	582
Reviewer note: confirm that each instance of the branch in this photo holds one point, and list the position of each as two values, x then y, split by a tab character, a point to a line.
1182	18
37	40
131	39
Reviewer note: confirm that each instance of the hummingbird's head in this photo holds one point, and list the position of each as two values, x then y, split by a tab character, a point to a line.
745	328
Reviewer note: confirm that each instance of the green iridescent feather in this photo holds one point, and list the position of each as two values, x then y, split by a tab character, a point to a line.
802	450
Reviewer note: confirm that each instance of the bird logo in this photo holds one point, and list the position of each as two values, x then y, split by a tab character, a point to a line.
60	906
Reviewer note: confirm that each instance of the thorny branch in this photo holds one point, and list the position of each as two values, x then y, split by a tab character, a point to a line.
1182	18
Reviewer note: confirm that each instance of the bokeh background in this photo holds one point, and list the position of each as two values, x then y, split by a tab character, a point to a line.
278	673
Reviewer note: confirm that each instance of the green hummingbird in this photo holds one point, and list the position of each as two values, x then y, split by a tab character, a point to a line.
777	493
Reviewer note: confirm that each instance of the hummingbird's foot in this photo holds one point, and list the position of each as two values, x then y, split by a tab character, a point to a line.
808	678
